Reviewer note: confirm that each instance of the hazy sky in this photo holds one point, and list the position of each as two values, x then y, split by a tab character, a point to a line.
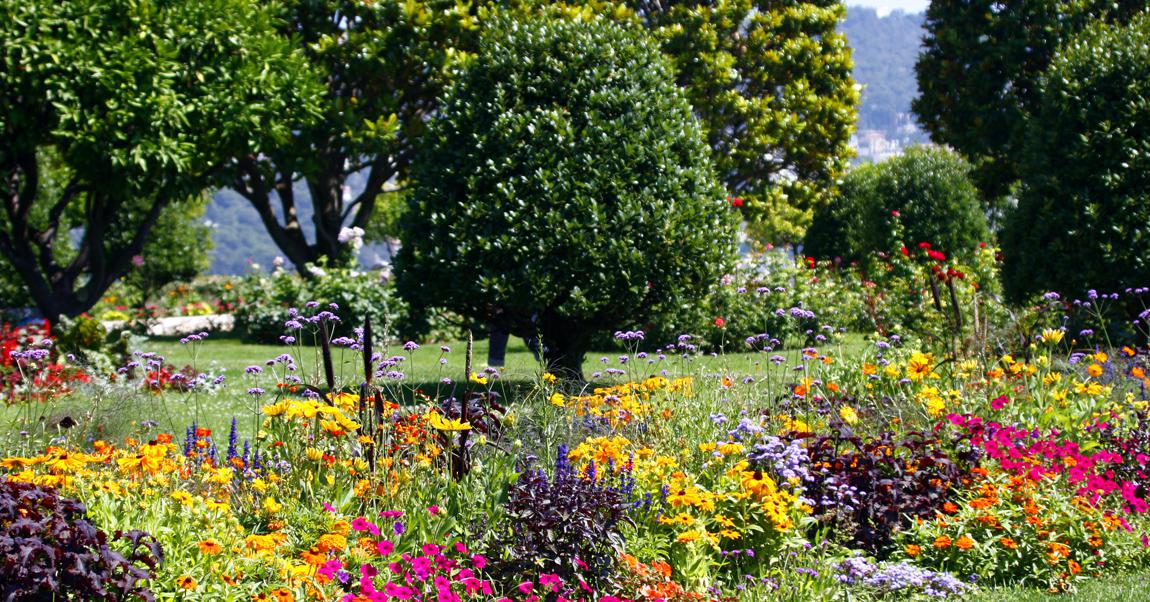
885	6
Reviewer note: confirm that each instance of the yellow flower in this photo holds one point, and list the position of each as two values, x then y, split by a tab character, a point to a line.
557	400
210	547
182	497
439	423
730	448
264	543
277	408
688	536
1101	357
1094	370
848	415
549	378
221	476
271	506
1052	336
475	378
919	366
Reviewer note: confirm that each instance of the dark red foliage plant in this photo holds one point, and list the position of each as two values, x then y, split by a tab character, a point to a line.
50	551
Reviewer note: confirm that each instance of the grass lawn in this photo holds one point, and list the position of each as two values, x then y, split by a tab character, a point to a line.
121	413
1132	587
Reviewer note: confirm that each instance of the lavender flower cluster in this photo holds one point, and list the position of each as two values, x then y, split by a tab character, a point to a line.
901	577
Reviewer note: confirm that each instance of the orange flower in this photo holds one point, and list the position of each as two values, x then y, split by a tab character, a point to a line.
186	582
913	550
964	543
314	556
282	594
950	508
1075	568
942	543
210	547
1008	543
331	541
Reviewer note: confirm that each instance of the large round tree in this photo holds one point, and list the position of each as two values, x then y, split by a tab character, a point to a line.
1083	217
565	189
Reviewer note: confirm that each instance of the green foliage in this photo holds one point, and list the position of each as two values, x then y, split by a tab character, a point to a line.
928	187
176	250
978	74
565	189
771	83
1081	219
266	300
142	102
383	65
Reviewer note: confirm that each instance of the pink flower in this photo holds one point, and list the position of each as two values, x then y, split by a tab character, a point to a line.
391	513
433	510
999	402
328	507
526	587
385	547
459	547
430	549
330	568
550	580
478	561
398	591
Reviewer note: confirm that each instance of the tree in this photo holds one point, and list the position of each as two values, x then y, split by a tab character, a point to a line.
930	189
979	70
565	188
1081	220
142	101
383	65
771	82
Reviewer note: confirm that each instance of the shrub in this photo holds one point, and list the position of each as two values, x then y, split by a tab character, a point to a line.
49	551
565	189
265	300
1081	218
567	525
872	487
928	188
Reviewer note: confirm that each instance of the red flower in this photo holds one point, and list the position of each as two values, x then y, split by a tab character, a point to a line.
905	251
936	255
735	201
720	322
924	245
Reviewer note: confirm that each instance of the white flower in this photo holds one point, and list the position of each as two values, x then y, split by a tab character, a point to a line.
348	234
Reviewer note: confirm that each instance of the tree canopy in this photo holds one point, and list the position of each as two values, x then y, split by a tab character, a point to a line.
383	65
771	83
979	71
1081	221
566	188
143	102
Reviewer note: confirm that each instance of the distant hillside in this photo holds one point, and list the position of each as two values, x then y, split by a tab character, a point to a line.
885	49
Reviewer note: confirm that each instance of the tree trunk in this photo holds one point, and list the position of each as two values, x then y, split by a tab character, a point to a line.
564	346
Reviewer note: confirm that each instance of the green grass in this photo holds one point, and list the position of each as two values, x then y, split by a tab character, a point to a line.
117	413
1131	587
